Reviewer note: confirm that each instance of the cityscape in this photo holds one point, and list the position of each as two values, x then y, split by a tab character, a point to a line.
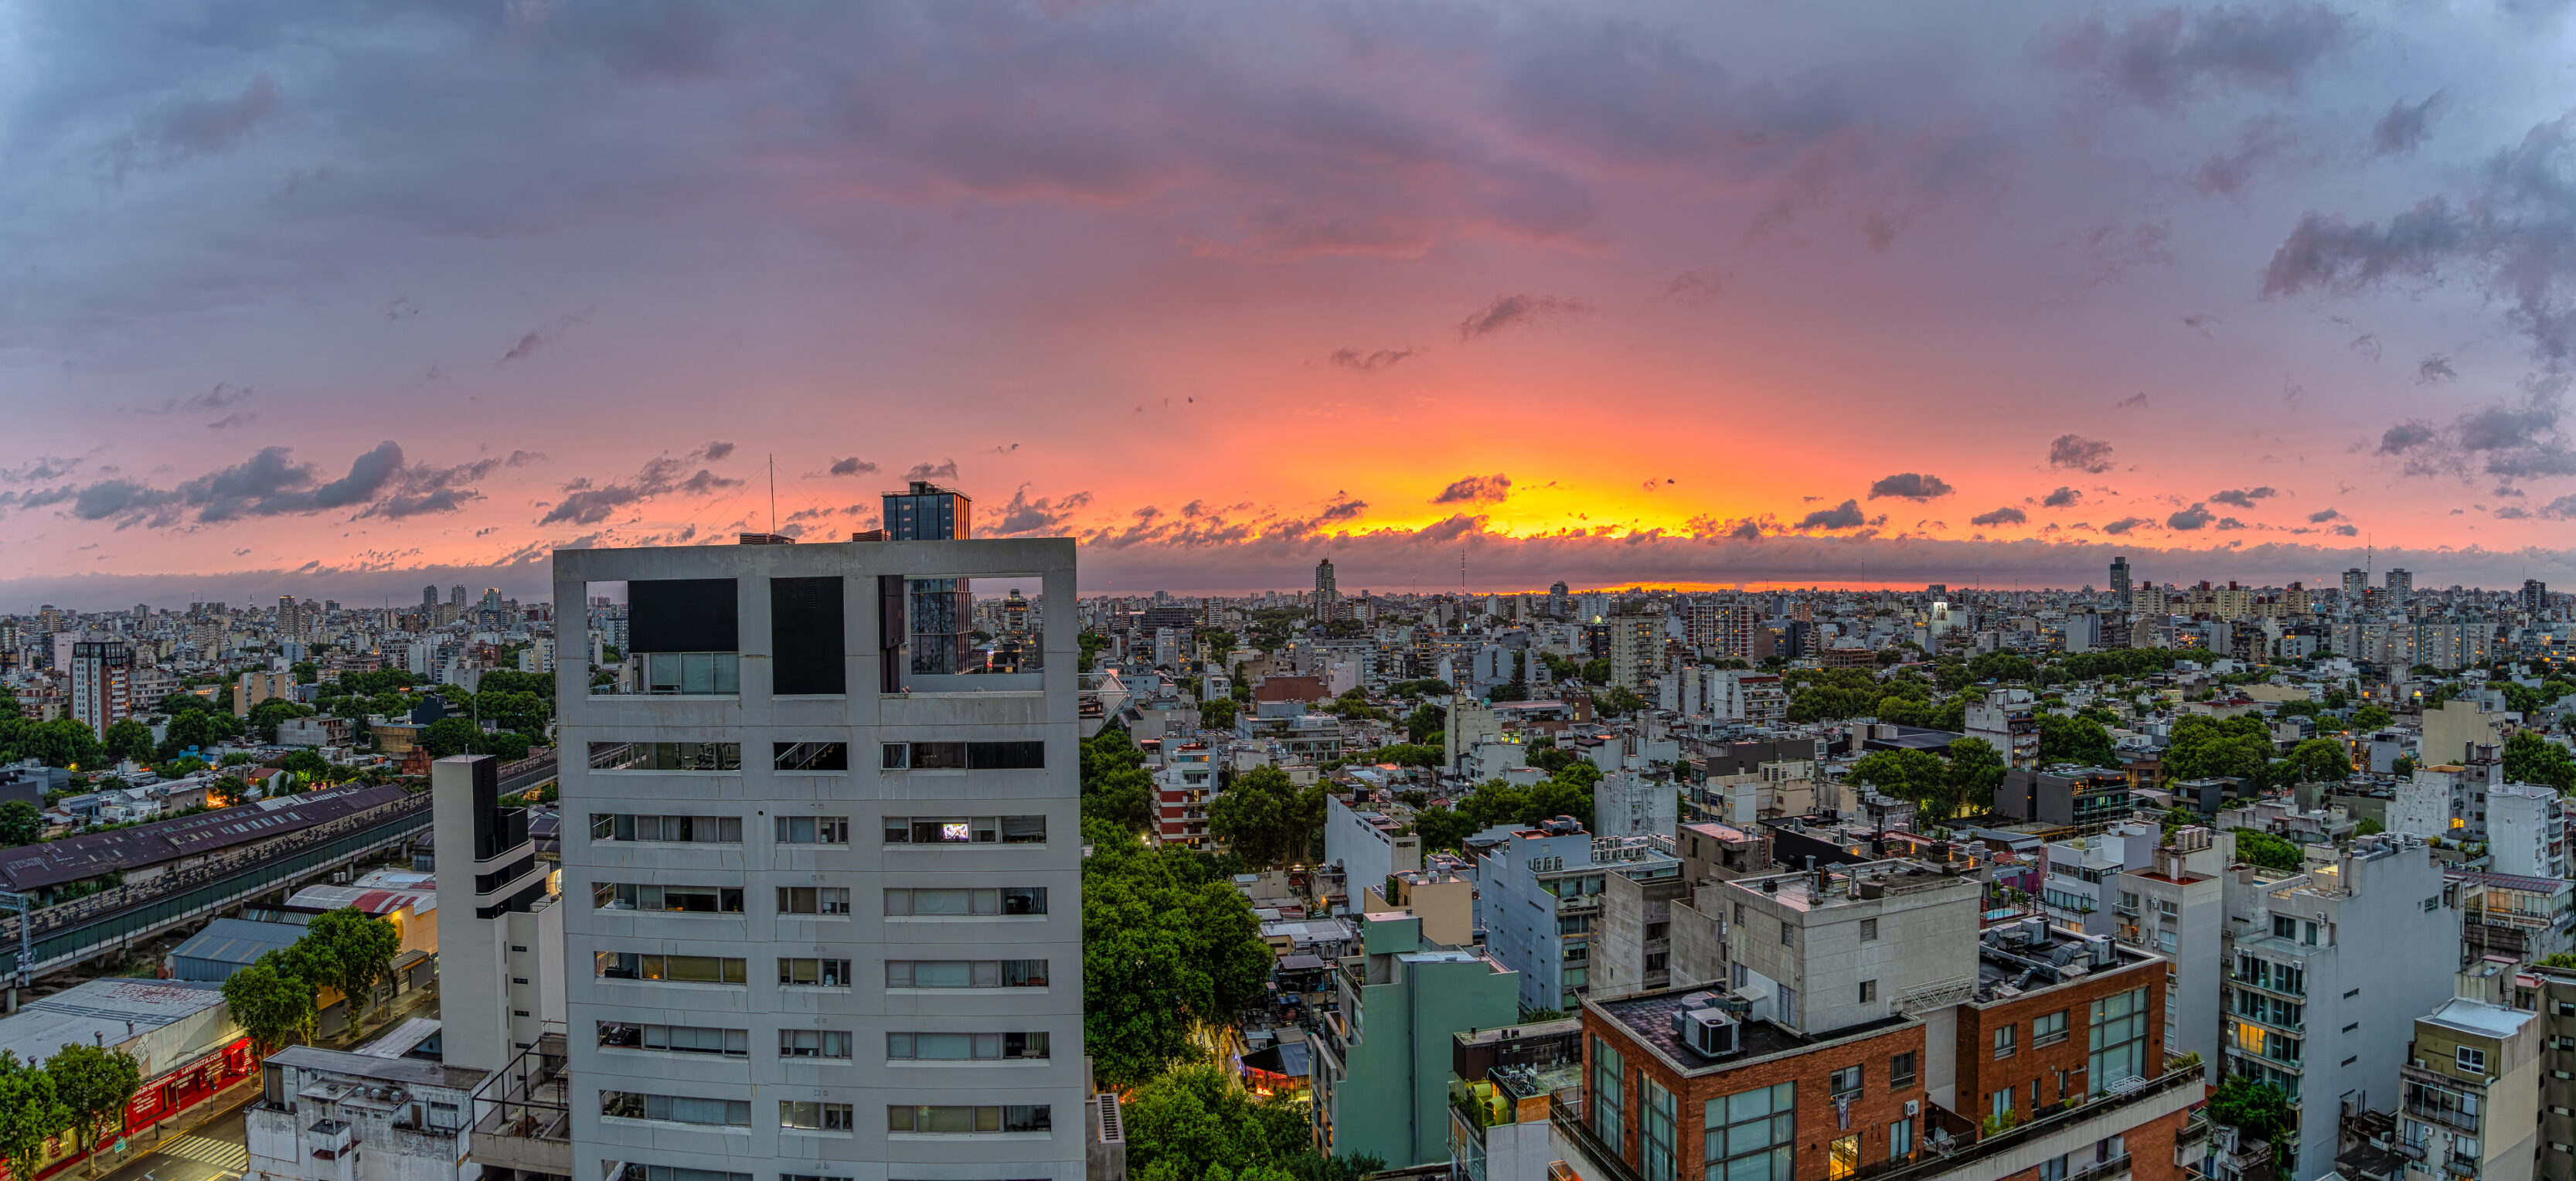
1405	592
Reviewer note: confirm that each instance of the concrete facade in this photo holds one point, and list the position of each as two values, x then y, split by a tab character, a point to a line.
330	1115
1382	1062
846	980
1540	896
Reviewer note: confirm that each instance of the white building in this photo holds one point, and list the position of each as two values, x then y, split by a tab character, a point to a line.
853	946
331	1115
1366	846
1627	804
2177	908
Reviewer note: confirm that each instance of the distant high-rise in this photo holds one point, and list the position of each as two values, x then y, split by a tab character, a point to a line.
2356	584
456	596
2401	586
290	623
928	512
2120	583
102	683
429	598
1327	597
1559	599
2535	596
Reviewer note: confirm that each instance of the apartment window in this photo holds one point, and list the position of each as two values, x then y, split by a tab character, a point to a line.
810	756
808	1177
1868	930
675	969
2284	927
813	830
963	756
1609	1075
1739	914
1868	991
642	1172
1752	1136
1999	1104
1846	1083
816	900
1900	1071
806	636
666	756
2048	1030
672	899
700	830
966	973
985	900
1655	1128
2128	901
677	1039
1900	1139
2119	1040
815	1117
2470	1059
967	1121
813	1043
965	1047
678	1109
1788	934
962	830
814	973
2005	1039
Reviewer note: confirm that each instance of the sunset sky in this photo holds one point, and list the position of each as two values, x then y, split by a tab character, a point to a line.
336	299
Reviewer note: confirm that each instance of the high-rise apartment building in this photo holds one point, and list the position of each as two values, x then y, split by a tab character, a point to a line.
2356	587
823	908
429	597
2120	583
928	512
1328	597
1560	599
2401	587
1722	628
102	683
2534	597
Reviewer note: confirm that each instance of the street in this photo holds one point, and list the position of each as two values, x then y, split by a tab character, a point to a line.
212	1151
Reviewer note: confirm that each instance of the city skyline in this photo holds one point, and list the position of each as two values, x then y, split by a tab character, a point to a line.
1638	294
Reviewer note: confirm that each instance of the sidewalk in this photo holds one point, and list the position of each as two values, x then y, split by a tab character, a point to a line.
224	1102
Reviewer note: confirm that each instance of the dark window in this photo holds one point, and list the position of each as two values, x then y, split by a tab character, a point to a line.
682	615
1900	1071
954	756
811	756
1005	756
805	640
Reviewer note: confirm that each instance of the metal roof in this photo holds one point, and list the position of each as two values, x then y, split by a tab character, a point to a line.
52	863
232	944
100	1012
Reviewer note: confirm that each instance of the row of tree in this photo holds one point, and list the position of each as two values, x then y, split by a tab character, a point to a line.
83	1090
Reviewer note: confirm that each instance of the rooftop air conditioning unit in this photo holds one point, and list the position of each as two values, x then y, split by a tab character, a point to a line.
1709	1033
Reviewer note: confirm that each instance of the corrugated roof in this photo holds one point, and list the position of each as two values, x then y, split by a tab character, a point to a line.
372	901
52	863
98	1012
237	942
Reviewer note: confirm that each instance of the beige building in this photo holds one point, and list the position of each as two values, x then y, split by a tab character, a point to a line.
2450	731
2470	1091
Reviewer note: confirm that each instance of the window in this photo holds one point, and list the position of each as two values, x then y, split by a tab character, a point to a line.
962	830
639	1172
815	1117
677	1039
2470	1059
1609	1075
673	899
619	826
807	643
810	756
2004	1040
1900	1071
964	1047
813	1043
2284	927
675	969
1999	1104
1900	1139
1655	1128
963	756
813	830
985	900
815	900
1846	1083
966	973
1752	1136
678	1109
1868	991
666	756
2053	1169
967	1121
2119	1040
2048	1030
1868	930
1788	934
814	973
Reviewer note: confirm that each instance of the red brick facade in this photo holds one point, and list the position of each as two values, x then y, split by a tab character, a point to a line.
2059	1067
1818	1121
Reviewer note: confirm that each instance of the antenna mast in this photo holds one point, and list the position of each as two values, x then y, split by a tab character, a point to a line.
773	492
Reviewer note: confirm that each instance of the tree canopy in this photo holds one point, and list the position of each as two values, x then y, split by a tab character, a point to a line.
1168	945
2255	847
30	1114
2259	1110
1267	819
1116	787
94	1085
1194	1124
2531	758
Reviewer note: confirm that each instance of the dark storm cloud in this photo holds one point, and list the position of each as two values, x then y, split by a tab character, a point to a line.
2518	440
1846	515
714	451
2062	498
589	502
1910	486
1476	490
2195	517
2404	128
2006	515
272	483
1513	310
2242	497
2080	454
2169	57
2126	524
2322	516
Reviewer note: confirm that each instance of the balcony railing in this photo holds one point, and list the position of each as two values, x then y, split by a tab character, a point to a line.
1930	1162
1602	1156
2450	1116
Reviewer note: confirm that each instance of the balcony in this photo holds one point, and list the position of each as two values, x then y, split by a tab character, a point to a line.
1607	1164
2459	1165
2448	1117
2073	1129
523	1114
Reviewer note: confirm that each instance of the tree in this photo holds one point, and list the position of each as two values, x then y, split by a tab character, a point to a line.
129	739
2531	758
1217	714
2075	740
355	951
1267	819
450	736
2204	747
2371	717
273	1005
2256	847
94	1085
1619	701
2319	760
20	824
1194	1123
1976	768
1166	950
307	762
1442	828
30	1114
1918	776
265	716
2368	827
1115	785
2259	1110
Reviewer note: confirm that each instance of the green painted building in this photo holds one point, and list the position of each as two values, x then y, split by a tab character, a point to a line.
1382	1063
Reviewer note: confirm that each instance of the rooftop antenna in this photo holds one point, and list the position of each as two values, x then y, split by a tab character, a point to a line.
773	492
